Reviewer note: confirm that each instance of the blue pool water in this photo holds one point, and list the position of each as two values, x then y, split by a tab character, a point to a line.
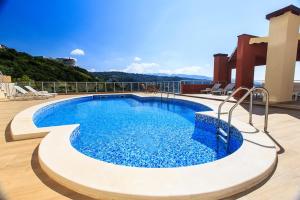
137	132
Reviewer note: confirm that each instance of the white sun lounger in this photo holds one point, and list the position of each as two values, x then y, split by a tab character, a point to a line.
229	88
26	94
296	95
22	91
214	88
40	93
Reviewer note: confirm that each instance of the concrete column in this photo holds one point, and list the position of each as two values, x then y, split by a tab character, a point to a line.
221	69
245	62
229	71
282	52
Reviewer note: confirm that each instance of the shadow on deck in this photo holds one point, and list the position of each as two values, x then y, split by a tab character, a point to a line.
35	165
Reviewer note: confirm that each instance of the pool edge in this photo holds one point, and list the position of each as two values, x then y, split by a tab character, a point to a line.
97	193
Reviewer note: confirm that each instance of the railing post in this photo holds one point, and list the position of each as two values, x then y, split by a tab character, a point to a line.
114	87
96	87
76	87
173	87
54	87
160	86
66	89
179	87
105	89
86	87
42	86
250	108
165	86
123	86
130	87
266	111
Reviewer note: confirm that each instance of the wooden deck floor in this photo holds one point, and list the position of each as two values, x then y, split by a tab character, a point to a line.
21	177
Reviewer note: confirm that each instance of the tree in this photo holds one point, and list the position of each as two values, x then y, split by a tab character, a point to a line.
24	78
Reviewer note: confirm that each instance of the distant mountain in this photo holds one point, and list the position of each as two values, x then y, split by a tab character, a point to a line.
115	76
185	76
38	68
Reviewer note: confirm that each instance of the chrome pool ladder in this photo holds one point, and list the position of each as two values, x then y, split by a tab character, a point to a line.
225	134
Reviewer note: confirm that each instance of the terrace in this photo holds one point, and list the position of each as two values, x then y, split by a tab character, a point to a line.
24	178
42	160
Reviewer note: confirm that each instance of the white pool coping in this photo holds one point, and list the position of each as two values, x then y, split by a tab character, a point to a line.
250	164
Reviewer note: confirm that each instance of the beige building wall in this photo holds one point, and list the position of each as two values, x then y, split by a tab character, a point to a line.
2	95
281	56
3	88
6	79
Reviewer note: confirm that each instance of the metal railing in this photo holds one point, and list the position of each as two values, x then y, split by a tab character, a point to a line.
249	93
267	99
173	87
228	98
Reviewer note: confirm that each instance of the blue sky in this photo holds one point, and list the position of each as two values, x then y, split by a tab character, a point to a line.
145	36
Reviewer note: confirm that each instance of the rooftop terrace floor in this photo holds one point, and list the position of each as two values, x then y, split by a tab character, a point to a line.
22	178
285	105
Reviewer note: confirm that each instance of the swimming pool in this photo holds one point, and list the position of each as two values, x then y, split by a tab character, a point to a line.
252	156
138	132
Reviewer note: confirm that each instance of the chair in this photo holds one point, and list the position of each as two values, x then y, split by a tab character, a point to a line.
296	91
143	87
22	91
228	89
26	94
296	94
152	89
215	87
147	88
258	94
40	93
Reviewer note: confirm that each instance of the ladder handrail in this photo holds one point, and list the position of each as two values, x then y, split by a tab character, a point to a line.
235	105
227	99
244	97
249	92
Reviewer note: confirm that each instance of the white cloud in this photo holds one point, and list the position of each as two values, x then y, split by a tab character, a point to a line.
77	52
189	70
151	68
141	68
92	70
137	59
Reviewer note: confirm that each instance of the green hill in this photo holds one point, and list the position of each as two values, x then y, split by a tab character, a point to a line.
24	67
20	64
